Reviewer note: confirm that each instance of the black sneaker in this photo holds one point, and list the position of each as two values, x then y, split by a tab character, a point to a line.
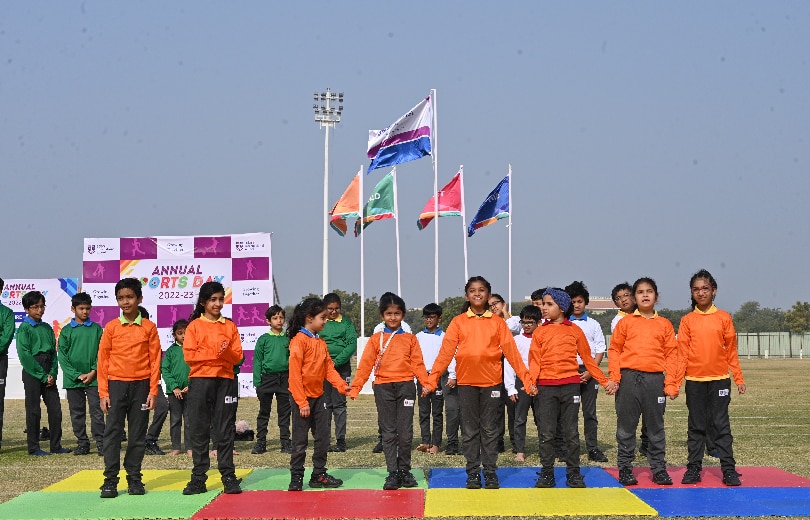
231	485
391	481
82	450
546	479
626	477
452	449
692	475
731	477
195	487
406	479
60	451
135	487
44	434
296	482
152	448
286	447
491	480
100	449
377	448
110	488
324	480
501	446
597	455
713	453
575	480
339	447
662	478
259	448
473	481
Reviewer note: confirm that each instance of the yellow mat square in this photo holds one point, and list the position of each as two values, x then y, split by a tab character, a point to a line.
534	502
153	480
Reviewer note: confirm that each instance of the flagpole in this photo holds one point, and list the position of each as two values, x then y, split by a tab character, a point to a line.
396	221
362	260
434	136
510	238
463	223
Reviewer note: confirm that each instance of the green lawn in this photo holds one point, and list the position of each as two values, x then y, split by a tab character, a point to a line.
771	427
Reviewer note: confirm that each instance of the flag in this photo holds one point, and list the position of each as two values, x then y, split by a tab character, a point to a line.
347	206
406	140
495	207
449	203
380	203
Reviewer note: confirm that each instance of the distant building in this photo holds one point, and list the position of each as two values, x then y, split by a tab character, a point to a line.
599	305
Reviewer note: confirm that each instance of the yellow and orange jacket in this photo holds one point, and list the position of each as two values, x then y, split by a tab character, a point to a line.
310	364
212	348
553	354
479	344
707	347
128	351
646	345
401	362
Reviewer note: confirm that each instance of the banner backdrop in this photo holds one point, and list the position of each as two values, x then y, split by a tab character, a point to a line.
57	292
172	269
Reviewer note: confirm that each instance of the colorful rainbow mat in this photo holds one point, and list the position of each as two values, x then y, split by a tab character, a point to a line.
765	491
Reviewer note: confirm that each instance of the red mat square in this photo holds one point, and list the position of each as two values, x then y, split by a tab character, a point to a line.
751	476
337	503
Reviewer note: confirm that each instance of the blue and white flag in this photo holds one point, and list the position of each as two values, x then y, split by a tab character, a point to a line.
495	207
406	140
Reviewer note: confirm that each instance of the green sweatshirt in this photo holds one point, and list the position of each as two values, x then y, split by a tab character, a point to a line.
78	352
341	339
7	327
34	340
174	368
270	356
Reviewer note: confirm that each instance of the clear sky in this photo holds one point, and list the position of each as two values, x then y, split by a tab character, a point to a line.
646	138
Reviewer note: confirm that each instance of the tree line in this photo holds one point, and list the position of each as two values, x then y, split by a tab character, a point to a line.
751	316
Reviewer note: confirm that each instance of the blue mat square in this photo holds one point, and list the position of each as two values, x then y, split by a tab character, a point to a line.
595	477
740	501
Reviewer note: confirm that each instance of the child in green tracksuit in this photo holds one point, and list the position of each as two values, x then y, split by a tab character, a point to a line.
271	375
175	374
36	348
78	356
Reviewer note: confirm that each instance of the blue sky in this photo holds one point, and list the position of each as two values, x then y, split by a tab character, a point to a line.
646	139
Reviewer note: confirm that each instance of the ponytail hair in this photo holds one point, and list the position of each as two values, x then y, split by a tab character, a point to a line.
310	307
207	290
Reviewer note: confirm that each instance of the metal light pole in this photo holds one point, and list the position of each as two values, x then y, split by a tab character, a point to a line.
327	116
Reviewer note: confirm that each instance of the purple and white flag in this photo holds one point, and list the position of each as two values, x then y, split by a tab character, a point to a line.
406	140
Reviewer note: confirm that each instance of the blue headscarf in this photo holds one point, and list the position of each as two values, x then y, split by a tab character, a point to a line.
560	297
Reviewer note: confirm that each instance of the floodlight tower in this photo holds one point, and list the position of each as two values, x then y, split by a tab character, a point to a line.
327	115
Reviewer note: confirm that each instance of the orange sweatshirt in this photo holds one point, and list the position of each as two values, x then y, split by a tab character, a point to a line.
129	352
401	362
478	344
553	353
707	347
646	345
310	364
212	348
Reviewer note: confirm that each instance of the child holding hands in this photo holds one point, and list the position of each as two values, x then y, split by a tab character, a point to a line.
394	360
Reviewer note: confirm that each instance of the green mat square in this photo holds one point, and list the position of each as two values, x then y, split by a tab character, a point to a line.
273	479
70	505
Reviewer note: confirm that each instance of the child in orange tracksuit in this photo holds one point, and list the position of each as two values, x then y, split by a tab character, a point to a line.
553	364
479	340
395	361
211	347
643	359
310	365
707	348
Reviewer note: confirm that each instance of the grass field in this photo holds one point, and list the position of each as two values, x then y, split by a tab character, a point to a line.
770	423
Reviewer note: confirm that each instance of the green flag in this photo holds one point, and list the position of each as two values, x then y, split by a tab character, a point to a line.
380	204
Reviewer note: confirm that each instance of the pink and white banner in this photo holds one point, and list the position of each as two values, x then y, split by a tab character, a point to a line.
172	269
